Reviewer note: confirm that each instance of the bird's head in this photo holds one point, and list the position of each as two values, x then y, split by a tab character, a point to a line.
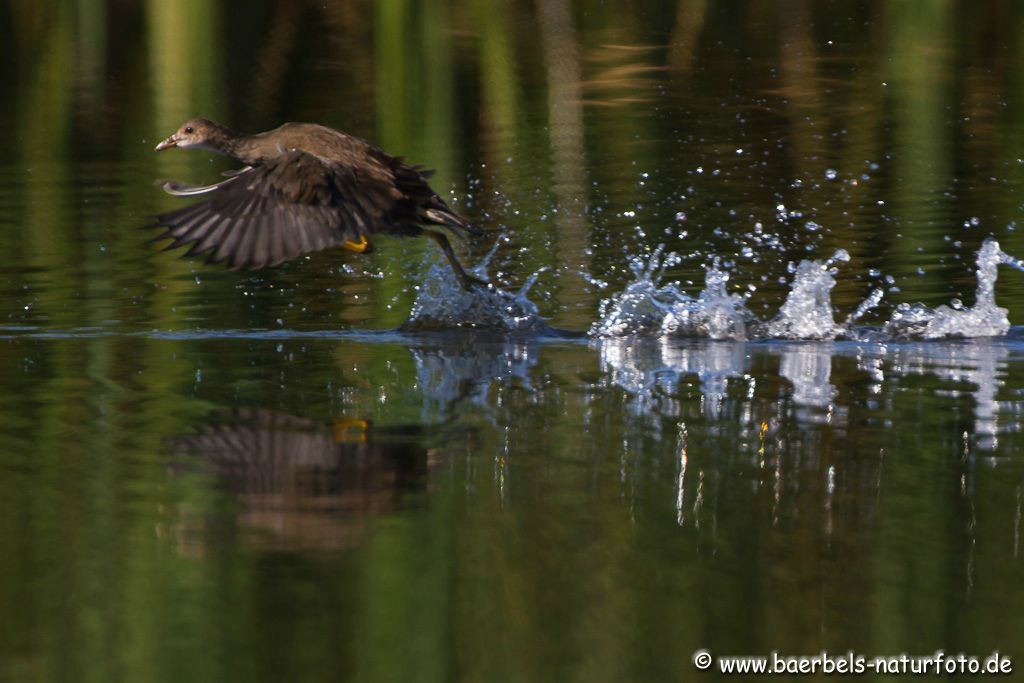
193	133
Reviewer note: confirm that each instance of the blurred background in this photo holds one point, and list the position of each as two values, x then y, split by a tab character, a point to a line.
580	129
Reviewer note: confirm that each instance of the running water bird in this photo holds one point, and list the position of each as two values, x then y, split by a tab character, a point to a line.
304	188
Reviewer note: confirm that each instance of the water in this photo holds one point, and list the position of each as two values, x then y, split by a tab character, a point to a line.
748	374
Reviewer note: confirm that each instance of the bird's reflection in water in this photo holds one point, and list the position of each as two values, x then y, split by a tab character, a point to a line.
303	484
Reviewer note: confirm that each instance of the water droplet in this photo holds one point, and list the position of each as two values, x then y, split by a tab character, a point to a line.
831	174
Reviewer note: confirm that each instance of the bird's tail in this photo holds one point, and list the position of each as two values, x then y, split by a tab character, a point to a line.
442	215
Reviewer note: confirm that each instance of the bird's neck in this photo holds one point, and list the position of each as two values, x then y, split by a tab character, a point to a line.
245	149
231	143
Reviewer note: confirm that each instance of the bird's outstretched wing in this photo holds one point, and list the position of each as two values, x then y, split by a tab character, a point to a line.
295	204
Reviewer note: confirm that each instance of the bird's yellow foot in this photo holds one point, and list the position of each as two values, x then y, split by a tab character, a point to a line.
359	247
351	430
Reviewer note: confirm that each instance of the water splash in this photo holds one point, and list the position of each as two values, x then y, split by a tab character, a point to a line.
715	313
642	306
648	306
807	311
443	304
984	319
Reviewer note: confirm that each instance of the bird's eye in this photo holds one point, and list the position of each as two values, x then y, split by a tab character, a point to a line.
188	129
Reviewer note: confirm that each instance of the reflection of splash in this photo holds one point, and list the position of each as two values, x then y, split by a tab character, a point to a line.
981	365
459	366
808	368
652	372
302	484
650	368
486	370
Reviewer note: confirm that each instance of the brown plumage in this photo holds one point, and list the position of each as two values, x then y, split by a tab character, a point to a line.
304	188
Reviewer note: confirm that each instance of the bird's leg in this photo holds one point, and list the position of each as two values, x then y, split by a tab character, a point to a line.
465	279
359	247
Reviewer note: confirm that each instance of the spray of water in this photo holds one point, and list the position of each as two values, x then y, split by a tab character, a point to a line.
648	307
984	319
442	304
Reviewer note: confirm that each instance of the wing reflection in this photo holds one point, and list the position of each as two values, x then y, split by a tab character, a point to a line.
305	484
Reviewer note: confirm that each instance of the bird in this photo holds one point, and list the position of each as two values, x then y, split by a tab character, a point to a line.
303	187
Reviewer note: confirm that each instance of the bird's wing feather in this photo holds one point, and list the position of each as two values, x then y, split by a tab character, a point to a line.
268	214
186	190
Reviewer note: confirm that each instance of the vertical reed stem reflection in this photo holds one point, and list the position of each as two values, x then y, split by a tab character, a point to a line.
565	103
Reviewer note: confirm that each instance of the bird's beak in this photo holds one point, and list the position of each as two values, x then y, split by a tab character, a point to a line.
169	142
